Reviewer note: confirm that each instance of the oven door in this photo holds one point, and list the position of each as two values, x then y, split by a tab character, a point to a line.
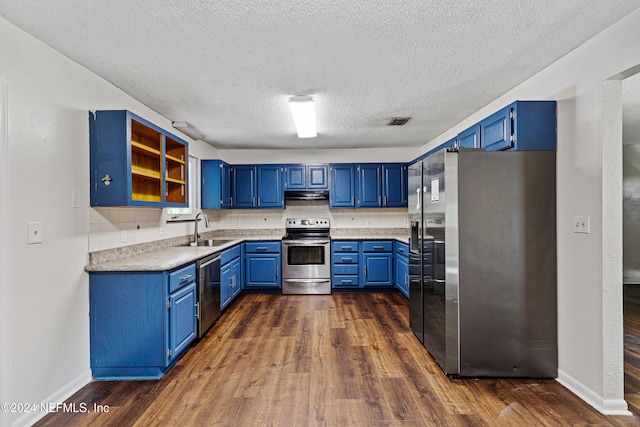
305	259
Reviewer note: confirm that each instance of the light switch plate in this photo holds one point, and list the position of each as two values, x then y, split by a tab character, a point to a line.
34	232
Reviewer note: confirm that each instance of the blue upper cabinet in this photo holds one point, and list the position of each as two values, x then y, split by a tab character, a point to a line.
523	126
135	163
318	177
369	186
342	185
270	186
295	177
469	138
258	186
243	188
306	177
215	184
394	185
496	130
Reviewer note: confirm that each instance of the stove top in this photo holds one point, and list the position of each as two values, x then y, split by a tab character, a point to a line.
307	228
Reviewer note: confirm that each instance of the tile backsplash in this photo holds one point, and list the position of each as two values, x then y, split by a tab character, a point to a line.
141	225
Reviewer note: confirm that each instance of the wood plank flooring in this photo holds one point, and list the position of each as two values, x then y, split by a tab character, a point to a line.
334	360
632	347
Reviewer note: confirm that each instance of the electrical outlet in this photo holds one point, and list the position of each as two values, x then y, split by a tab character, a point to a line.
368	223
123	236
406	221
162	230
34	230
581	224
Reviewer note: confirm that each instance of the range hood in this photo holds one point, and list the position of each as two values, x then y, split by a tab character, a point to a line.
306	195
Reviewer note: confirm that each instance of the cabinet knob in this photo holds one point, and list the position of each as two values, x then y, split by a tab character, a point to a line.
106	180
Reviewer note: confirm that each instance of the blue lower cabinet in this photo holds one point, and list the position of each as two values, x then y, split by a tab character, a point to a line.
345	264
377	263
401	268
230	275
139	328
262	265
377	270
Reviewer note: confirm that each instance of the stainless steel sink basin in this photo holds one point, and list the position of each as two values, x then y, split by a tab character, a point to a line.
212	242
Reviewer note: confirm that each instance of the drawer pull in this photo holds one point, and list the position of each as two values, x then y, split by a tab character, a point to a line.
377	247
186	277
261	248
347	281
344	248
347	259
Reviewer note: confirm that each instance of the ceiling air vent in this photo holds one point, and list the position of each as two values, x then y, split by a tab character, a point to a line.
398	121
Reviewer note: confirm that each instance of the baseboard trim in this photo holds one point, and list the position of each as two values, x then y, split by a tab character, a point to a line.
604	406
58	396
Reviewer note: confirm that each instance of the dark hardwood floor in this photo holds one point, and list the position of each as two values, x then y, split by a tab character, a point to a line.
335	360
632	347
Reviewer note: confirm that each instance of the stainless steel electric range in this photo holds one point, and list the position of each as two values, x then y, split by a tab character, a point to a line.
306	266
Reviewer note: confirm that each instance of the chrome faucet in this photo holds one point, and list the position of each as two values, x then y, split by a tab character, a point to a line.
196	236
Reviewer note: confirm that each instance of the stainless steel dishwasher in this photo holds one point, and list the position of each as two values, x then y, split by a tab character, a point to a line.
208	269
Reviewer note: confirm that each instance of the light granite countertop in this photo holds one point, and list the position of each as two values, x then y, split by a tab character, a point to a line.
167	258
171	257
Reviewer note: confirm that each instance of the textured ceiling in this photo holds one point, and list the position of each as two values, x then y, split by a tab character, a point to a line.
227	67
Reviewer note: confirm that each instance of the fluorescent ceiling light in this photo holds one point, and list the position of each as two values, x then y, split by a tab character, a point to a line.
189	130
303	110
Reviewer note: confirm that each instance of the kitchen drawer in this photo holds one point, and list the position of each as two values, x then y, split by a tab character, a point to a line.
347	280
347	258
229	254
262	247
344	246
377	246
181	277
345	269
402	249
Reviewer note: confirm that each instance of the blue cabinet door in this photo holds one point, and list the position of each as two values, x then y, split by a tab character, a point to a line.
470	138
394	185
377	269
270	186
295	177
244	186
342	186
369	186
226	284
182	319
263	270
215	184
318	178
496	130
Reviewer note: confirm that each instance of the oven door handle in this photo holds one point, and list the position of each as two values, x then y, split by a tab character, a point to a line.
305	242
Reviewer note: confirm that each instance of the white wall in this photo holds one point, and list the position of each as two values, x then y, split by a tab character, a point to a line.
589	183
49	99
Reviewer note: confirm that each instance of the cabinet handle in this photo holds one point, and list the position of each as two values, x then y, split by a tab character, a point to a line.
377	248
197	310
347	281
347	259
353	201
261	248
385	200
187	277
379	201
233	281
253	201
365	272
277	272
258	201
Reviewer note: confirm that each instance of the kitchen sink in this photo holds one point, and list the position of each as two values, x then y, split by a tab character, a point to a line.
211	242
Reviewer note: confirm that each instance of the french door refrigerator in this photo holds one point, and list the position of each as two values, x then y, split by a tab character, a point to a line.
488	254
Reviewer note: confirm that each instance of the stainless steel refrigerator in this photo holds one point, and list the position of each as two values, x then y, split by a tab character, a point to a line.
483	262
